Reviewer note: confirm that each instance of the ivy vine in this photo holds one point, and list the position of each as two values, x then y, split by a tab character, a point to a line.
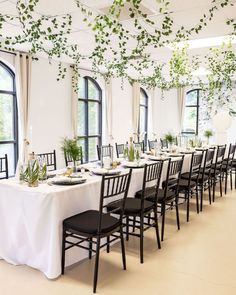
121	50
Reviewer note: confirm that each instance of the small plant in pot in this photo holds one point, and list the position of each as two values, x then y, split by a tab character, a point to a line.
208	134
170	139
72	151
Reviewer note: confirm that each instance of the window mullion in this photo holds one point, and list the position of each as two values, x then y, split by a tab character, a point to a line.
86	121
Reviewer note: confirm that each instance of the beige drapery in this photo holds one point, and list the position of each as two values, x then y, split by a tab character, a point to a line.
23	63
108	103
135	108
181	96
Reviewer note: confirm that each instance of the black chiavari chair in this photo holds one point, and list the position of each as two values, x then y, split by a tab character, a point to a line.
50	160
4	167
87	228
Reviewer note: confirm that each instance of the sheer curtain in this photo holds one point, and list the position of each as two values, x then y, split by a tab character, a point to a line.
109	123
181	96
135	108
23	63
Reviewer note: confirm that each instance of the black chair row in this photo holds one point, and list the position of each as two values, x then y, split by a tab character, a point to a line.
116	212
133	216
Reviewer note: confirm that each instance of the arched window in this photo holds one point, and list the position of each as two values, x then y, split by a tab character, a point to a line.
143	115
8	117
89	117
191	114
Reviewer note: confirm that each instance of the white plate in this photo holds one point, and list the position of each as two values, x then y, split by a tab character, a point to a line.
103	171
134	164
155	158
64	180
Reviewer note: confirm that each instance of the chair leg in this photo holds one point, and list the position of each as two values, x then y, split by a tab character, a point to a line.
197	201
157	230
163	212
220	186
235	178
134	223
141	239
231	180
188	206
96	265
201	197
108	244
177	213
127	228
90	248
63	252
122	247
226	180
214	188
209	191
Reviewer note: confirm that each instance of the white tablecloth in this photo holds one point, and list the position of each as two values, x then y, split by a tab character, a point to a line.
31	219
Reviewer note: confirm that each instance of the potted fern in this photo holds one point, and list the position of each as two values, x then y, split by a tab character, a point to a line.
208	134
71	149
170	139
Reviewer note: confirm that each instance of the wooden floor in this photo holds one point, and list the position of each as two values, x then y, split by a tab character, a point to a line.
198	259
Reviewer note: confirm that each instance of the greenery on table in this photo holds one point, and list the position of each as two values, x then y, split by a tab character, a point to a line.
71	149
208	134
32	173
169	138
129	153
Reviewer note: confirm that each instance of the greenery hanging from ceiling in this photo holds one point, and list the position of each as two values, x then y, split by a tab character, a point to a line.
119	50
219	87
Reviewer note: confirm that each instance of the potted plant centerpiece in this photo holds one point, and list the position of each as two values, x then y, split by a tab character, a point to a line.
208	134
72	150
32	173
170	139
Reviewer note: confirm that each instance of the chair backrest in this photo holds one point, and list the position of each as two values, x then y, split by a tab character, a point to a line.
4	167
113	188
195	165
140	145
164	143
208	160
50	160
220	152
107	151
120	149
173	175
152	143
69	161
229	160
152	172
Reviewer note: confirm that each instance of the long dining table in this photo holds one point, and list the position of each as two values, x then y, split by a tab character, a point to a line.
31	219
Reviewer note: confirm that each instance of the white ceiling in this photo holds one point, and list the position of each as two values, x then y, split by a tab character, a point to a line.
184	12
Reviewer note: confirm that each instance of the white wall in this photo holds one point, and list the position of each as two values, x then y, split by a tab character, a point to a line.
122	111
50	118
167	116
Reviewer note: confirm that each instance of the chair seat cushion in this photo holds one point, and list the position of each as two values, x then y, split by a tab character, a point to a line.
149	192
87	222
234	163
170	195
132	206
187	175
184	183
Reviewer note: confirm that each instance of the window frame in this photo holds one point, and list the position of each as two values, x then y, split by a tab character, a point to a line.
197	106
15	141
86	101
145	106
